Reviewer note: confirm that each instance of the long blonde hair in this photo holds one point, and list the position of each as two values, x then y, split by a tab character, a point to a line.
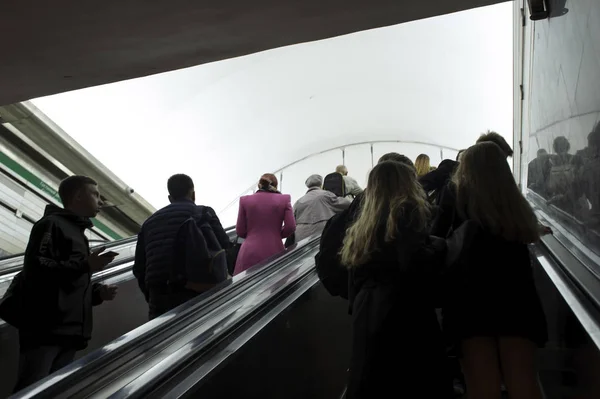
423	165
393	192
487	193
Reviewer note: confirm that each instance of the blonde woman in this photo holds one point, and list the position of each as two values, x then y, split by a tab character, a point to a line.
494	313
397	344
423	165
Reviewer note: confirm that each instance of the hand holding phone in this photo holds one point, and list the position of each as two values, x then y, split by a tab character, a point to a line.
98	260
109	254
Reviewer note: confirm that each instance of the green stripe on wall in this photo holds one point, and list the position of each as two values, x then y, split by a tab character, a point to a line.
47	189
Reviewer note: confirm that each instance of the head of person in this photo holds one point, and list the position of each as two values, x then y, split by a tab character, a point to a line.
497	139
342	170
459	155
541	153
394	195
268	182
561	145
395	157
181	188
422	164
594	140
80	195
314	181
487	193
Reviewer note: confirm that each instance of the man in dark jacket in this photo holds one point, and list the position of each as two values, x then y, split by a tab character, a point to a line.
56	290
156	242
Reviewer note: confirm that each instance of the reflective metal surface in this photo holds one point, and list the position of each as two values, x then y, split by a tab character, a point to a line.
123	360
569	364
112	319
561	112
125	248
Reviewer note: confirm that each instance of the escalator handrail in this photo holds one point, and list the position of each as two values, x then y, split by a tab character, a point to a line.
163	372
155	330
279	294
112	244
576	293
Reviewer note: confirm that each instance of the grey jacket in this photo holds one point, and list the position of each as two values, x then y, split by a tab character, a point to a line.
352	187
314	209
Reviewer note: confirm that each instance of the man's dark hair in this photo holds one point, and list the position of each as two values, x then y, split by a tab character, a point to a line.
71	185
395	157
541	151
179	186
458	155
495	138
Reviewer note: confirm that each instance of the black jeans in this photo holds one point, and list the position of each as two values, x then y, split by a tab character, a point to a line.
37	361
161	299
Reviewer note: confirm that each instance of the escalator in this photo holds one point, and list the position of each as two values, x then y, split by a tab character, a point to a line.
277	333
193	328
112	319
125	248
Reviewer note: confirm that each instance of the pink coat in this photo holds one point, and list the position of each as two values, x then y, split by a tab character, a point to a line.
260	221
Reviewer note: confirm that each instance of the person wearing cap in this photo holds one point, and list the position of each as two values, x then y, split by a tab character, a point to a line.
315	208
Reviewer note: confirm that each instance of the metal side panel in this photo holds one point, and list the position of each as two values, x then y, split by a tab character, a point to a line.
110	349
125	247
111	320
569	364
298	349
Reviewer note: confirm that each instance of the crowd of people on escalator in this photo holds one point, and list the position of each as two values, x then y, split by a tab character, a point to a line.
570	182
437	268
433	261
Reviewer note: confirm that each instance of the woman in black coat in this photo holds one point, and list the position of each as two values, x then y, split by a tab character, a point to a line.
493	311
397	346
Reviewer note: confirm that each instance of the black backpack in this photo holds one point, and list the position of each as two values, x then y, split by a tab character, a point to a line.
331	272
199	262
334	182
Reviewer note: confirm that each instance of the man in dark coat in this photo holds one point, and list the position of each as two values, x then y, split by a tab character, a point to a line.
56	293
154	254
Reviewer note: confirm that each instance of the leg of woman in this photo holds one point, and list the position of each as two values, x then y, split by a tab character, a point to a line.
481	367
517	359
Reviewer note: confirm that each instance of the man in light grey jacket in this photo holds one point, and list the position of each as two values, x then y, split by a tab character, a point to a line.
352	187
315	208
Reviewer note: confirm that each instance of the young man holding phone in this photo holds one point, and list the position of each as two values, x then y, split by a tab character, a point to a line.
55	289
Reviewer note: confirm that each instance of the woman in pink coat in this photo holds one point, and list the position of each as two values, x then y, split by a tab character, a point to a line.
264	220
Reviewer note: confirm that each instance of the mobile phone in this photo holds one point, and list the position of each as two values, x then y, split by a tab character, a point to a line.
109	254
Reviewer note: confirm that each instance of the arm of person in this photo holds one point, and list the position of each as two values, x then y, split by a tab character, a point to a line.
103	292
46	243
338	204
139	264
96	294
241	227
352	187
218	229
289	221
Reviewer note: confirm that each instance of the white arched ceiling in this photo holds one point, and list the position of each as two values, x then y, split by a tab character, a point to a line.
442	80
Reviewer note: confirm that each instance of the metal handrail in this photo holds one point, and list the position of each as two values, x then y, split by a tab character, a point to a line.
341	147
165	329
229	318
14	264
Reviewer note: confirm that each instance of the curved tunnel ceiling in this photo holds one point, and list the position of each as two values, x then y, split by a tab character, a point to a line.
442	80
